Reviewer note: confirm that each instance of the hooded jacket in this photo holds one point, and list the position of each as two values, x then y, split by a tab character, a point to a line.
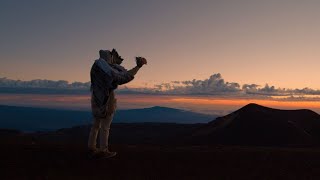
106	77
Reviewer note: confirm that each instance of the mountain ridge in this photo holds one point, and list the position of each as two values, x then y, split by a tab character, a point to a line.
46	119
254	124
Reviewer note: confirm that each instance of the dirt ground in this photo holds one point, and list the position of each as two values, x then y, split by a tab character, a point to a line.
49	160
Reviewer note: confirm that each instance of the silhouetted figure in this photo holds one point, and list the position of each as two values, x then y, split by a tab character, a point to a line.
106	74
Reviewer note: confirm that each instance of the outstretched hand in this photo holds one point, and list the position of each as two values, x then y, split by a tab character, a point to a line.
141	61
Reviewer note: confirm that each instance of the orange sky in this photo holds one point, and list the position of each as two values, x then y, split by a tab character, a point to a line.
208	105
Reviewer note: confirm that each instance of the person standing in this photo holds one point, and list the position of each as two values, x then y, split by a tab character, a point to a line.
106	74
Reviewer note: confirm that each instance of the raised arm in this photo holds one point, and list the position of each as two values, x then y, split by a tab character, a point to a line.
123	76
134	70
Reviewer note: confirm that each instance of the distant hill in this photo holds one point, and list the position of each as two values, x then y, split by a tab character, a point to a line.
41	119
258	125
161	114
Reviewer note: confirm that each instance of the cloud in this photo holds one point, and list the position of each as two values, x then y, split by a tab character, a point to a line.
43	83
43	86
215	85
266	90
308	91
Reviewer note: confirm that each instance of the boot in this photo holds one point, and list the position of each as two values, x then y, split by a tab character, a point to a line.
106	154
93	153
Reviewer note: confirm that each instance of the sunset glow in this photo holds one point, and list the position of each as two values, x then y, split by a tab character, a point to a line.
242	102
207	105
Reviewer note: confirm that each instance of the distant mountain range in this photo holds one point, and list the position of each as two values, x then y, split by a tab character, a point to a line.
41	119
251	125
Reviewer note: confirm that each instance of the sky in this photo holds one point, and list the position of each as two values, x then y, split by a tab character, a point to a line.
274	42
246	50
211	105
